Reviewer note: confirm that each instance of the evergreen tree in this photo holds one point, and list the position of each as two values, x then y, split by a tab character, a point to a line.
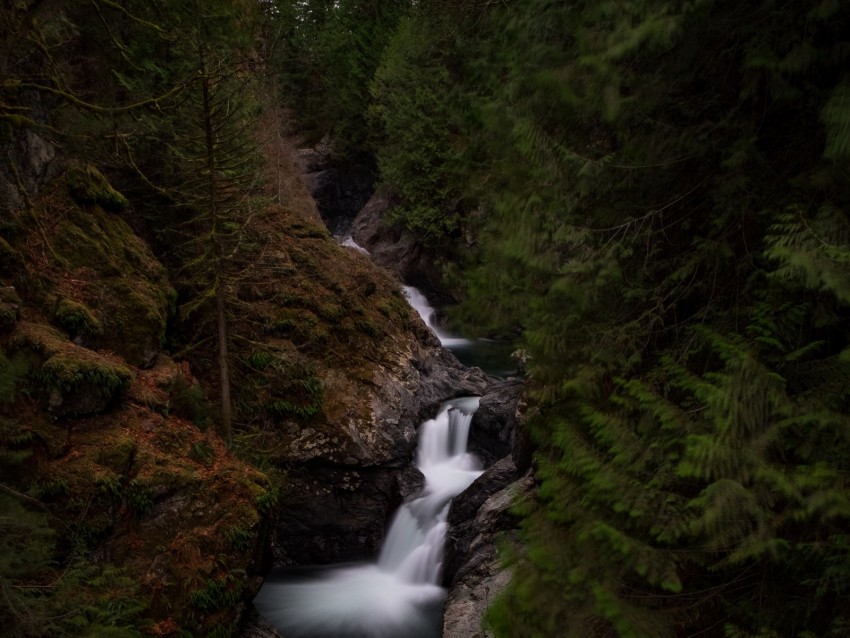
209	135
666	221
327	57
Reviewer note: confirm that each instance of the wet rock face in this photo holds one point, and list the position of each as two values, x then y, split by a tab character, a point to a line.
393	248
343	511
493	432
473	570
340	191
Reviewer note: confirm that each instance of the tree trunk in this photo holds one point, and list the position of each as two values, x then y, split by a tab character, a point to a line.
218	266
224	367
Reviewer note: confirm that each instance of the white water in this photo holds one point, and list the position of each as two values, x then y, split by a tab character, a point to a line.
398	597
348	242
428	314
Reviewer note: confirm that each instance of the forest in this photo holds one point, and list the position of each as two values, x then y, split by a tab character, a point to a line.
649	198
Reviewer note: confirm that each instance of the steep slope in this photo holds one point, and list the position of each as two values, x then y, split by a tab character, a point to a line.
136	514
150	522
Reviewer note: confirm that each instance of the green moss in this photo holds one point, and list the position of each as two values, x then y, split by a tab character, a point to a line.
134	296
117	457
220	593
73	372
38	338
87	185
76	319
78	381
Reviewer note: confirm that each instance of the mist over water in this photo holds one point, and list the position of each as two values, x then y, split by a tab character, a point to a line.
398	596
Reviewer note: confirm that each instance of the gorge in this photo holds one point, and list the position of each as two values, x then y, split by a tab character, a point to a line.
633	219
399	594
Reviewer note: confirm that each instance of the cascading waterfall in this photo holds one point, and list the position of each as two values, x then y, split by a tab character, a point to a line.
428	314
398	596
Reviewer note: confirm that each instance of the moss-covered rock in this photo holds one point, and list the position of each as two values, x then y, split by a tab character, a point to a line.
188	528
76	381
114	293
77	319
87	185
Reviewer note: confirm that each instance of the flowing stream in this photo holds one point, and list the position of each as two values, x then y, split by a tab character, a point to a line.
428	314
494	357
398	596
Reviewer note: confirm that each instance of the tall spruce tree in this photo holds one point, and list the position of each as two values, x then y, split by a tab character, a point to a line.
213	145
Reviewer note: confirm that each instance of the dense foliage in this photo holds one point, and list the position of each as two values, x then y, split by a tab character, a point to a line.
660	196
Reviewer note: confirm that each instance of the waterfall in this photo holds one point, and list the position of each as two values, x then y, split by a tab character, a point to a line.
398	595
426	311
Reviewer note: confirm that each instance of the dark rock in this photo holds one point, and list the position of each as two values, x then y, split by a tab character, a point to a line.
255	626
340	192
392	247
465	506
32	162
495	478
480	576
492	435
334	514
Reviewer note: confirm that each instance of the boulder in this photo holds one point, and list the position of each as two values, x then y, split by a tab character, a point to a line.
74	381
392	247
494	424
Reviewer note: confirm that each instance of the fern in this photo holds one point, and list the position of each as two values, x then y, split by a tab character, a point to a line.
836	117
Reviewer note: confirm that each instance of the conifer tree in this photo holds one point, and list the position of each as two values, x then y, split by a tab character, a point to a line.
688	382
213	147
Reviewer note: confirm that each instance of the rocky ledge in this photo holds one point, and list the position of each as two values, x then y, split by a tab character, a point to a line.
480	518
